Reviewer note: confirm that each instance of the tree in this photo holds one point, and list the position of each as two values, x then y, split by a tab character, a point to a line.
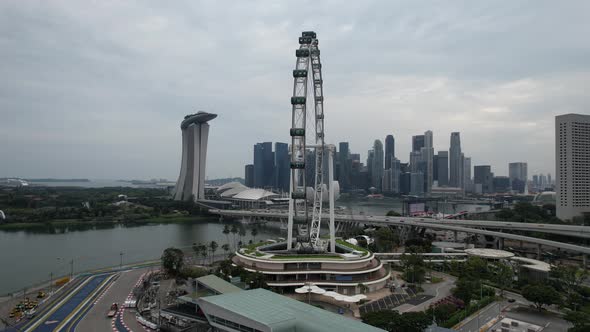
504	276
392	213
213	246
464	289
204	252
226	232
234	231
241	233
393	321
580	320
197	249
386	239
225	248
443	312
541	295
254	232
414	267
172	260
569	277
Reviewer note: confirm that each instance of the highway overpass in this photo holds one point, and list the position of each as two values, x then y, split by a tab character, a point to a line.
444	224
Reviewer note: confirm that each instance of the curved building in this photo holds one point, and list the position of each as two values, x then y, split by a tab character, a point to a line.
191	181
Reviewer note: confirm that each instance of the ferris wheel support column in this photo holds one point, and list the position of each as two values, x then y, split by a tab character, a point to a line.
290	221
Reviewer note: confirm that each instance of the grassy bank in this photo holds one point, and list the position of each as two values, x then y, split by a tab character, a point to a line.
166	219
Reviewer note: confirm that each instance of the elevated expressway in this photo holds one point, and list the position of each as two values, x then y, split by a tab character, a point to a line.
464	226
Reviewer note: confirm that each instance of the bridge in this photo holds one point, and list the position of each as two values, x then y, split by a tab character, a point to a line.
463	226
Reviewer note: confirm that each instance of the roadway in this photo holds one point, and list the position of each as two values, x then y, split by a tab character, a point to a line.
64	311
95	319
432	224
476	321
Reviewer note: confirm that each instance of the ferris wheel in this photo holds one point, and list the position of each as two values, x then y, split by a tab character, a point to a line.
307	100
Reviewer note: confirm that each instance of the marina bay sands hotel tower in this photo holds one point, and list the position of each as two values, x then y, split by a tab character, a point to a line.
191	181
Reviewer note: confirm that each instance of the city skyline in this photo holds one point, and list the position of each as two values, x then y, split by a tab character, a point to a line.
108	107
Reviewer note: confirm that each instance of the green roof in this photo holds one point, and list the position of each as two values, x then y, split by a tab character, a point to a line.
217	284
282	313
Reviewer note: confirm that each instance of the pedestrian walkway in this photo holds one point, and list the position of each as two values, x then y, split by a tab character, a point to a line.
394	300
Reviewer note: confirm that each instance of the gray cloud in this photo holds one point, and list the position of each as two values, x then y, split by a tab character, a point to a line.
98	89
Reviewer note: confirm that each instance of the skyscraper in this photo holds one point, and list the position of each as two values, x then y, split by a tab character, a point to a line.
517	172
417	142
377	172
572	157
282	168
455	163
467	182
249	175
443	168
427	157
389	150
395	175
483	179
344	172
263	165
195	133
416	183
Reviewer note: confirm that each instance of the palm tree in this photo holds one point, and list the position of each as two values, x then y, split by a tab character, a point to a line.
234	231
242	233
197	250
204	252
226	232
254	233
213	246
225	248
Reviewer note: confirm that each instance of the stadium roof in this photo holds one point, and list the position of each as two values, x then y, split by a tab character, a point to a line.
233	191
228	185
254	194
281	313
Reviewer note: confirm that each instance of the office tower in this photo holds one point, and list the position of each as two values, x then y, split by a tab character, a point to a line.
542	181
370	158
535	181
249	175
355	156
417	183
395	175
467	183
282	169
417	142
501	184
386	181
405	179
572	157
435	168
427	158
263	165
405	167
549	180
415	160
344	157
484	179
377	172
443	168
389	150
195	132
517	172
455	163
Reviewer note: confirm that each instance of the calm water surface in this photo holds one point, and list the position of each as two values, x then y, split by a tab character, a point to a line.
28	257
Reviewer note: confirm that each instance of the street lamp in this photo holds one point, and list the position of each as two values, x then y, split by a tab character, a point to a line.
121	261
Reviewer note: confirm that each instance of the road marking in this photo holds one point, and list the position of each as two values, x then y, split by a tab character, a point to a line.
78	318
86	300
54	308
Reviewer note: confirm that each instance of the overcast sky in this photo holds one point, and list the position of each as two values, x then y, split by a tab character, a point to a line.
97	89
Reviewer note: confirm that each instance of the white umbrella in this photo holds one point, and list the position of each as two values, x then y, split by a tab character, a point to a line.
317	290
331	294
